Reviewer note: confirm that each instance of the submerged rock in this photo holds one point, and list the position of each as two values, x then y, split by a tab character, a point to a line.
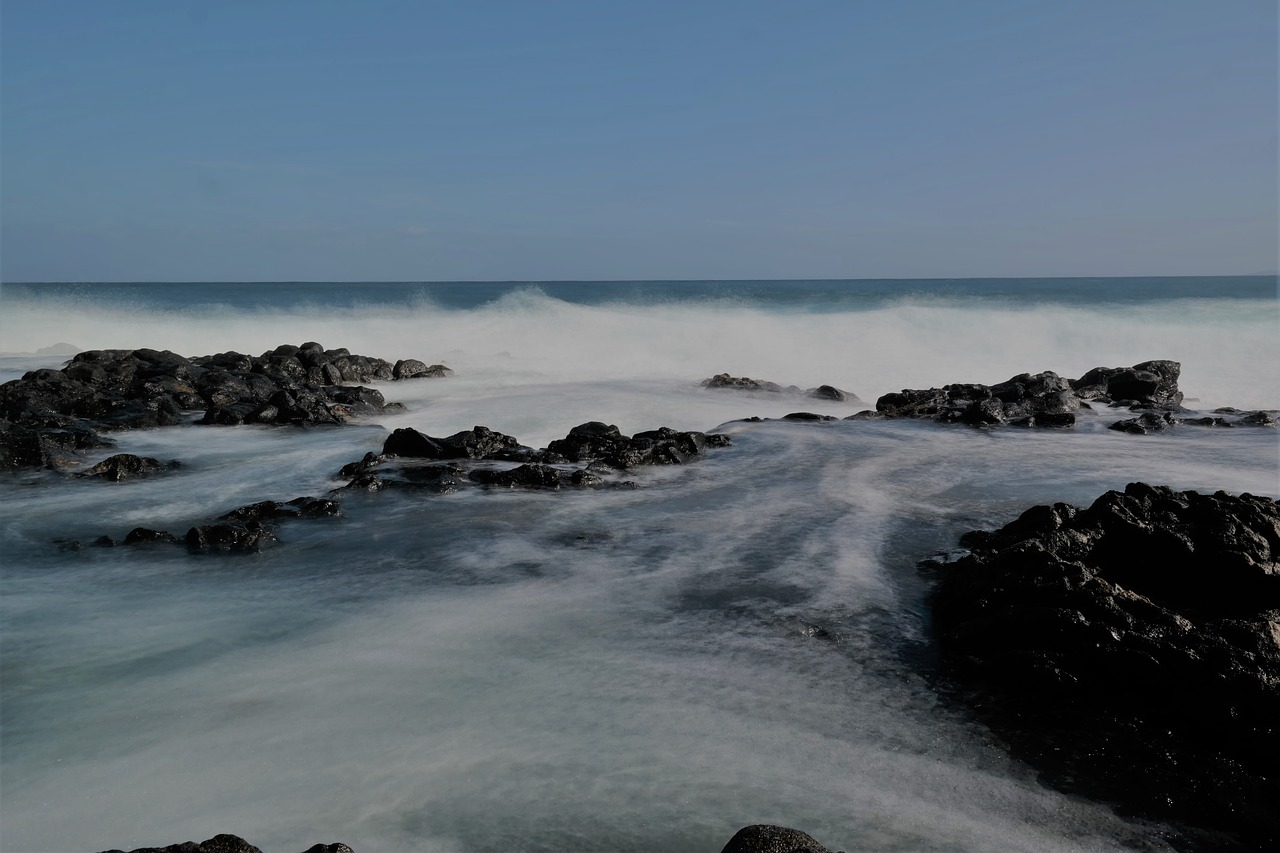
1131	651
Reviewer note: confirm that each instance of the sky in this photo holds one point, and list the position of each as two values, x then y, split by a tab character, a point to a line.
534	141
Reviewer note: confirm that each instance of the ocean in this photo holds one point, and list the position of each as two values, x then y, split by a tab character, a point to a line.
743	639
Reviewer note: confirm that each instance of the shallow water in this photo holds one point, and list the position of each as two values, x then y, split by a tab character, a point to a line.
739	640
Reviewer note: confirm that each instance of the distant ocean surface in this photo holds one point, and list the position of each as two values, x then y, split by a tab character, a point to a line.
740	640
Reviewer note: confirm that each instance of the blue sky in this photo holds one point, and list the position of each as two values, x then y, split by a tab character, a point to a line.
178	141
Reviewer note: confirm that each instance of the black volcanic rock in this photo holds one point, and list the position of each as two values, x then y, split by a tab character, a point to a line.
740	383
476	443
47	415
763	838
603	444
126	466
536	476
1131	651
1041	399
229	844
1152	384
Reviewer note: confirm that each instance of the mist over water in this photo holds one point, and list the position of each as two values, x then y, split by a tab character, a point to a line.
739	640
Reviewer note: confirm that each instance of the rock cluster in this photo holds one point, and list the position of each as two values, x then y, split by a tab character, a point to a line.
410	458
1131	651
743	383
1041	399
47	416
244	529
229	844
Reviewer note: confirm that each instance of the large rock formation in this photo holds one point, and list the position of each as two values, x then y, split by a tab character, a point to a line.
1042	399
47	416
230	844
1131	650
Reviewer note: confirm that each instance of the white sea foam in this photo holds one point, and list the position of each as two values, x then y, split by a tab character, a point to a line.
1228	348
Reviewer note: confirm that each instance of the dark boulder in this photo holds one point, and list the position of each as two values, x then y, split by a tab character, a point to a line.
807	416
605	444
411	368
1131	651
126	466
1152	384
740	383
1145	423
147	536
229	537
476	443
535	476
763	838
830	392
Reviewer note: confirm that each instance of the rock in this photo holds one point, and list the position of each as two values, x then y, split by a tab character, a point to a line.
807	416
1147	422
228	537
476	443
145	536
605	445
830	392
535	476
1131	652
229	844
48	415
411	368
763	838
1026	399
1152	384
740	383
126	466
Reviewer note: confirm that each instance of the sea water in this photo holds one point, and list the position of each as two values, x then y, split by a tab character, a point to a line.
739	640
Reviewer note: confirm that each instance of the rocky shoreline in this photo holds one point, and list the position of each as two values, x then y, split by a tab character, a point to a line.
1130	650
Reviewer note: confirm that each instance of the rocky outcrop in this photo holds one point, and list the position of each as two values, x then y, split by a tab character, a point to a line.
126	466
743	383
229	844
47	416
413	460
603	444
1131	651
763	838
1041	399
244	529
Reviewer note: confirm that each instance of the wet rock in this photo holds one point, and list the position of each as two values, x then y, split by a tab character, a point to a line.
1151	384
105	390
740	383
536	476
476	443
830	392
1026	399
411	368
1144	424
763	838
145	536
1131	652
126	466
604	444
807	416
229	844
229	537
